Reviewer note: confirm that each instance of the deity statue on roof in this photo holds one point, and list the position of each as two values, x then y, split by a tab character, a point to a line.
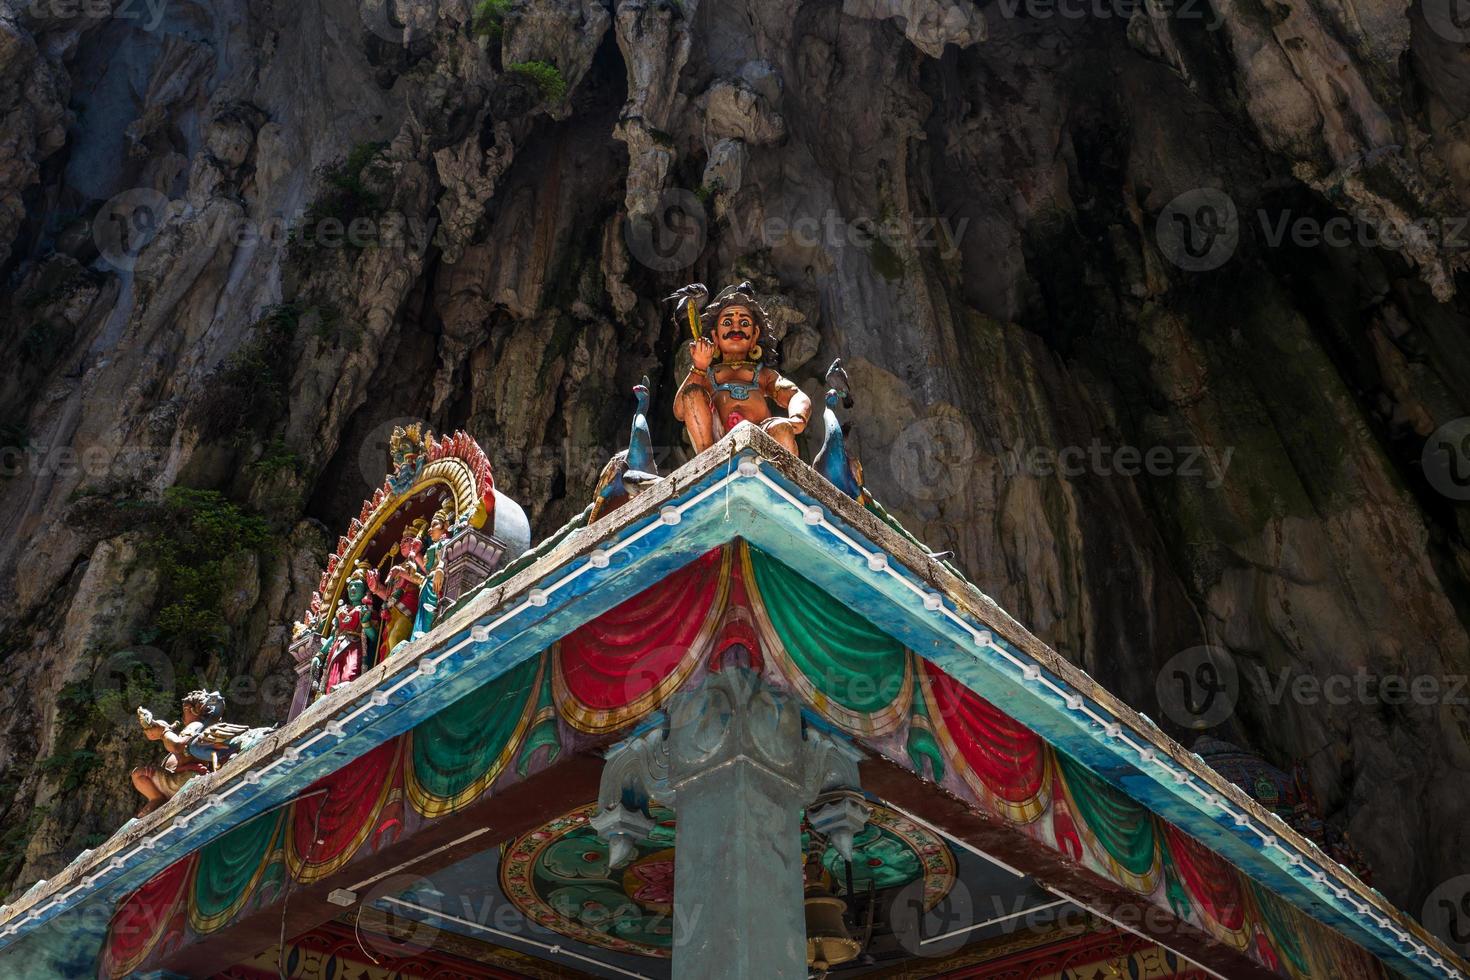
399	590
730	381
350	640
407	448
431	594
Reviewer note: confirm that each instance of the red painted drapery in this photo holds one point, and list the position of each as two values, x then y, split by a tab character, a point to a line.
620	665
1211	880
143	917
1004	757
332	817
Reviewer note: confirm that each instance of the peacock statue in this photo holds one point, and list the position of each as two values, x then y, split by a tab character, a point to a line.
833	460
629	472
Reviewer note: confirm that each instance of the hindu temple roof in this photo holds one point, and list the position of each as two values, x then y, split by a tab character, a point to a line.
747	487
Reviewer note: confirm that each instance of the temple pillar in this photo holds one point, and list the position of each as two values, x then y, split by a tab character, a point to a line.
737	766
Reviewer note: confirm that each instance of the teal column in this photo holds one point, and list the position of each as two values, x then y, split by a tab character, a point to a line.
737	766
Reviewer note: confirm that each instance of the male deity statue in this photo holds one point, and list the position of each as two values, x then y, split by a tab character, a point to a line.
729	382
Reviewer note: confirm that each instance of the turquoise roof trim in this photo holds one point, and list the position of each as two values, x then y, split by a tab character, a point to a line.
745	486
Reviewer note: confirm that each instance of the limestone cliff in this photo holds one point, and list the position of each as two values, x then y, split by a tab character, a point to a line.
240	240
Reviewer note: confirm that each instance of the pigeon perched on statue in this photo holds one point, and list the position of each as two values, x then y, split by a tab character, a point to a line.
834	460
631	471
690	305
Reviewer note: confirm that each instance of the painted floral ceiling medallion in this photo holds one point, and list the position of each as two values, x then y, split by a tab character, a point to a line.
557	875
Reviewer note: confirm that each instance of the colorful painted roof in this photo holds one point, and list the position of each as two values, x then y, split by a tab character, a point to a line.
749	539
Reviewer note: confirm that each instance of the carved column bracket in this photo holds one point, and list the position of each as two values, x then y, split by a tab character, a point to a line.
739	765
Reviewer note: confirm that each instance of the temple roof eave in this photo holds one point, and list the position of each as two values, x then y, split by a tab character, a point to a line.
747	486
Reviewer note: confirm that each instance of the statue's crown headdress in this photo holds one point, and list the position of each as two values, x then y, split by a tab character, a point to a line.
406	439
444	516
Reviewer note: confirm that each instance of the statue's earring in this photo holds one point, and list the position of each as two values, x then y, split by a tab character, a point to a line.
756	352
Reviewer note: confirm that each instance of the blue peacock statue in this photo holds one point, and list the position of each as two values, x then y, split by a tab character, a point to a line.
833	460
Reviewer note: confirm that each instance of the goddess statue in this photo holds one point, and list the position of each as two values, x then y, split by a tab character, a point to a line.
433	588
399	590
346	648
729	381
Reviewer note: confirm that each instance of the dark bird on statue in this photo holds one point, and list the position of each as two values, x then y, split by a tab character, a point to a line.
691	300
633	470
833	460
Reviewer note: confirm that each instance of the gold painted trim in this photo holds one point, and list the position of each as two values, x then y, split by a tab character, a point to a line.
1146	883
306	871
449	471
598	721
206	924
117	970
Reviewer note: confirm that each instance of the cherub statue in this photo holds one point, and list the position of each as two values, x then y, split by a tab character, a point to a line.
351	637
729	382
399	590
199	743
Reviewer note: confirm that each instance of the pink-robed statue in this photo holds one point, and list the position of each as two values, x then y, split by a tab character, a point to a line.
729	381
344	652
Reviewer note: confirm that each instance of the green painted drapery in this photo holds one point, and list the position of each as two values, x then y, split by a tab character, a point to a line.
1123	827
1284	935
229	868
454	756
854	670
